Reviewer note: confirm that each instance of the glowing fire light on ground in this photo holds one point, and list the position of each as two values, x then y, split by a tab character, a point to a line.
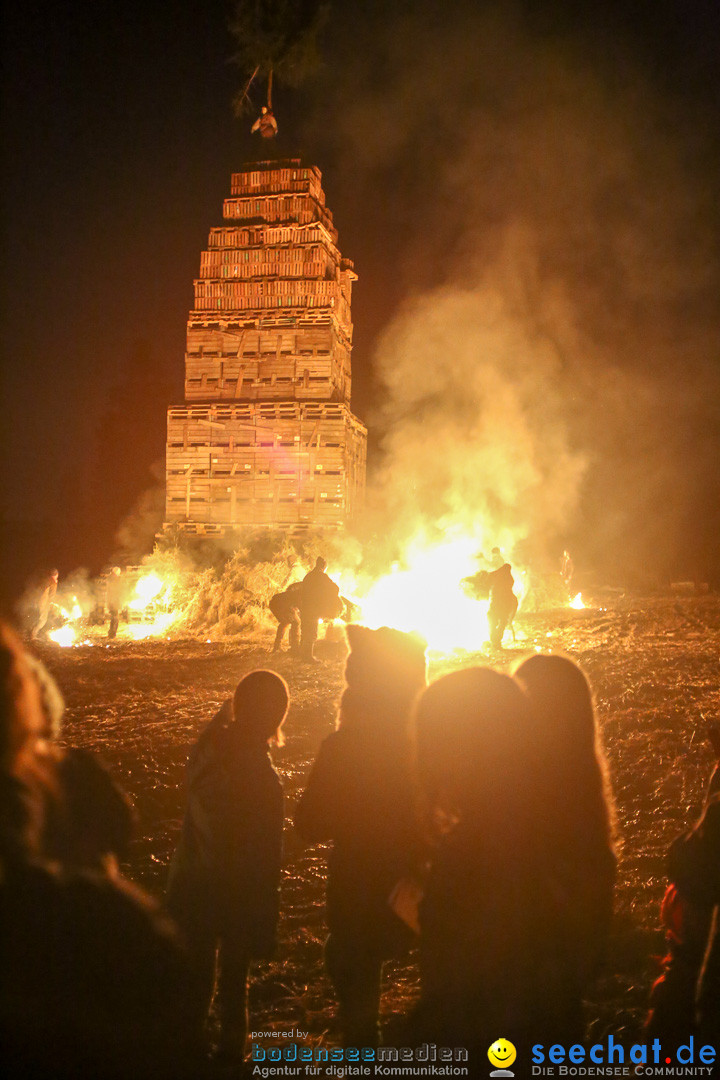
577	602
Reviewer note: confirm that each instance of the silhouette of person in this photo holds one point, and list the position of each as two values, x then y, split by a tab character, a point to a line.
685	998
225	874
577	811
94	982
45	597
114	599
360	796
503	602
285	608
319	599
567	569
491	921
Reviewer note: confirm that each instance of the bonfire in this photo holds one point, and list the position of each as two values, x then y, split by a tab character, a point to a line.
425	591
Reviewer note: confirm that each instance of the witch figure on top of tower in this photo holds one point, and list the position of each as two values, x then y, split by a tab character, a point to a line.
266	124
275	40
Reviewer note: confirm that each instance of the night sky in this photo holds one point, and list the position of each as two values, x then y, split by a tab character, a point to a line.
561	161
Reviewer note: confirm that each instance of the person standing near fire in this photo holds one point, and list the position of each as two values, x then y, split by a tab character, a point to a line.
496	558
114	599
284	606
503	603
319	599
224	882
46	594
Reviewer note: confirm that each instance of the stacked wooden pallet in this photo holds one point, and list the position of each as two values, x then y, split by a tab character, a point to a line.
298	378
275	319
267	436
272	294
273	262
314	232
296	292
252	464
279	181
260	342
311	364
275	210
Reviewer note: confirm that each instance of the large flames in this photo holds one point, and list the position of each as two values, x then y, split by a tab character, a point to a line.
426	592
151	609
67	633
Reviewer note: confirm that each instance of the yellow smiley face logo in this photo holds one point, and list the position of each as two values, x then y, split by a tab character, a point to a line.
502	1053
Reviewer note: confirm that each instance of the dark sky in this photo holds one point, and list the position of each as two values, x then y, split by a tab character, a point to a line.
555	164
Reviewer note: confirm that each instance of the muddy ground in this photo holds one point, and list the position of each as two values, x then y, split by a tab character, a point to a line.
654	668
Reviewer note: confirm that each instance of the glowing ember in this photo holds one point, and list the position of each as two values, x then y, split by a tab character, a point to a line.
577	602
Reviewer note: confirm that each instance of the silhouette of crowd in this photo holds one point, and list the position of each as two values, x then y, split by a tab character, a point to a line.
95	982
471	819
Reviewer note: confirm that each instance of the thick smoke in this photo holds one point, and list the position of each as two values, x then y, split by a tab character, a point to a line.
548	216
474	414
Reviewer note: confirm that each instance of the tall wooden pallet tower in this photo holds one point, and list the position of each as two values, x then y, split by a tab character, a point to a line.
266	436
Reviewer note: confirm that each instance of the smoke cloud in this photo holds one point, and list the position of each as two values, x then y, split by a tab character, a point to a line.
473	414
546	203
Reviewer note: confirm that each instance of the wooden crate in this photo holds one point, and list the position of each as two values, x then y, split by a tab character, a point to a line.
285	295
295	378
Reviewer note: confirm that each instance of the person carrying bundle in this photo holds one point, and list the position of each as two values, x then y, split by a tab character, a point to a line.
319	599
503	603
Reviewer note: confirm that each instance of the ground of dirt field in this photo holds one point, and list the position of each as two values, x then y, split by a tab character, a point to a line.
654	667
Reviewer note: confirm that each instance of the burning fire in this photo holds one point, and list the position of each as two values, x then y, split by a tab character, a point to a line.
159	625
148	588
426	592
67	634
63	635
426	596
150	612
152	600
